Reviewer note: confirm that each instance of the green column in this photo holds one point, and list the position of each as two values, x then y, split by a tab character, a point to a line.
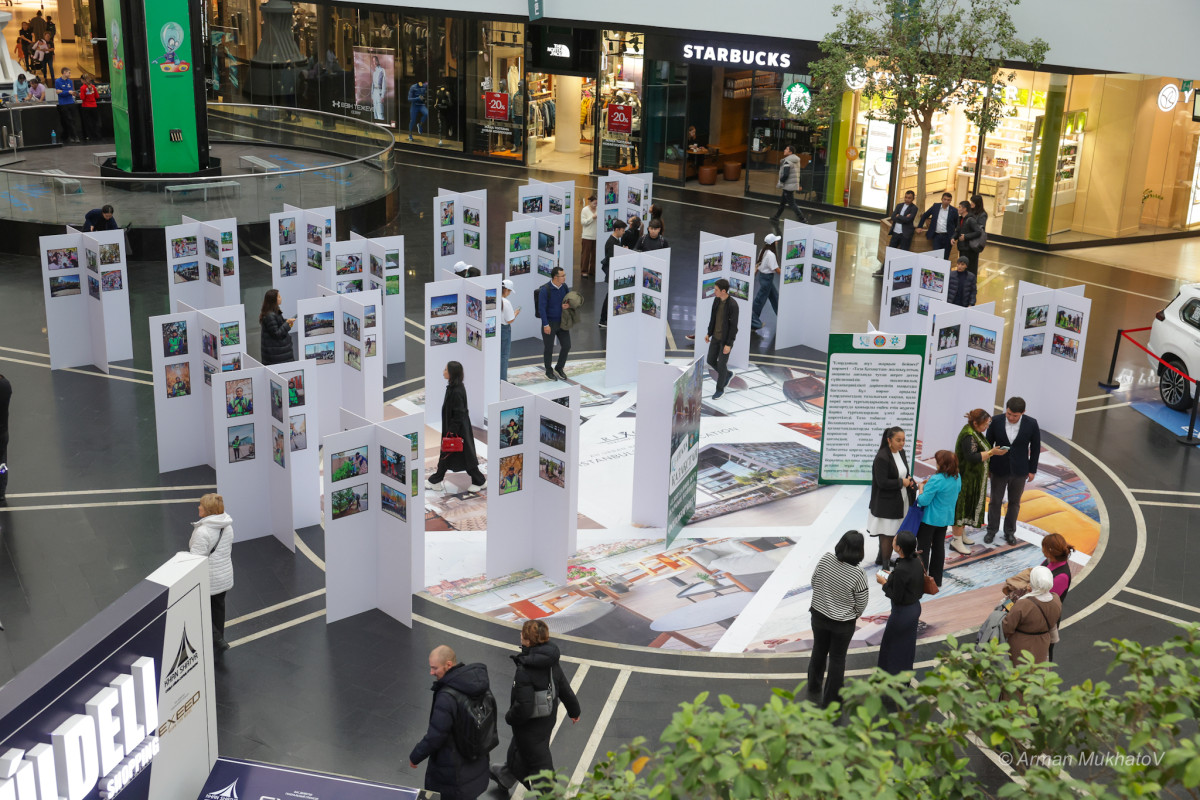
1047	162
839	140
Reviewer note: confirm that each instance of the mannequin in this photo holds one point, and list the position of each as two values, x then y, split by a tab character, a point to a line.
417	108
443	102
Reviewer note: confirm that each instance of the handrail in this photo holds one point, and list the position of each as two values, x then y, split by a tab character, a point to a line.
275	174
1190	438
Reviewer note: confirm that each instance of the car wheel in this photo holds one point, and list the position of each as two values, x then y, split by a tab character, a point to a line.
1173	388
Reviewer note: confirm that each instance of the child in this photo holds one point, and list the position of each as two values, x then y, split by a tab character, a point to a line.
962	285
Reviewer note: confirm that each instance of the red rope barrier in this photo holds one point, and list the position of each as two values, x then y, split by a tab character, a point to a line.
1146	350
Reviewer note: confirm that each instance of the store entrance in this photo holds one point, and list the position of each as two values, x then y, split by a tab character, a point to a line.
559	122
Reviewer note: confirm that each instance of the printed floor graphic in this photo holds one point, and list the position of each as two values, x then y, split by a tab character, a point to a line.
737	579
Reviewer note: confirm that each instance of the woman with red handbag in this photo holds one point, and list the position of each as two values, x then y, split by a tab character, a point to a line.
458	441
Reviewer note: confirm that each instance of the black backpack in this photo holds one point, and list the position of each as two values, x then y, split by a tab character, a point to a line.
536	298
474	729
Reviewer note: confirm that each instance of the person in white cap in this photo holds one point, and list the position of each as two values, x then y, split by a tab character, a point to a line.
465	270
768	268
507	314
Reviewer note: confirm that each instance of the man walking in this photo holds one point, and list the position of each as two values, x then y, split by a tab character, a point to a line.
722	330
789	183
457	690
610	245
1019	433
945	222
551	300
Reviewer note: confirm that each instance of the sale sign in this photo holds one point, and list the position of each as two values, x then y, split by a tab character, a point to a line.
495	105
620	118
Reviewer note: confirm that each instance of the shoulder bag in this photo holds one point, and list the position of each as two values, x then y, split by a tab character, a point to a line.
543	700
930	584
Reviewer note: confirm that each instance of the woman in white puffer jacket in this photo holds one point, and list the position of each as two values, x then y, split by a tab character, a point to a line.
212	536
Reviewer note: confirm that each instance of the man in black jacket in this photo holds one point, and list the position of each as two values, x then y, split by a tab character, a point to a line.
654	240
610	245
903	217
722	330
943	224
1010	471
449	773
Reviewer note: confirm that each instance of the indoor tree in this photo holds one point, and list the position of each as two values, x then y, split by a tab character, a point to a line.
915	58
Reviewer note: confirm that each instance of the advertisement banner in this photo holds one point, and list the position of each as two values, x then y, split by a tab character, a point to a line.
375	85
119	91
620	119
173	98
234	779
873	382
495	105
685	448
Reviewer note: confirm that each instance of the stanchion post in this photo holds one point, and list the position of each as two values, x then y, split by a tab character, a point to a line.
1191	438
1112	365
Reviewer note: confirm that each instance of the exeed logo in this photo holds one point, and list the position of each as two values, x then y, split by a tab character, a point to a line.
185	709
185	661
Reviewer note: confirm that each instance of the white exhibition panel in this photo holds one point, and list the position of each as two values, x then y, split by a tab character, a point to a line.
733	259
911	284
252	459
451	331
1046	363
334	332
202	263
541	198
960	374
807	272
531	252
300	240
385	261
621	196
533	482
653	431
460	229
490	285
302	425
85	282
638	288
375	523
185	347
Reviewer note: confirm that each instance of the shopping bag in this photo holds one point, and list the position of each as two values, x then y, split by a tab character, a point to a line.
912	520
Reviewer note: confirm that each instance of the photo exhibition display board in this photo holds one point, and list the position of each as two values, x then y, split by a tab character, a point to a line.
533	481
202	263
187	349
86	285
374	516
620	196
807	270
300	240
667	457
733	260
460	229
302	427
1046	362
872	382
385	265
539	199
913	286
531	252
456	312
961	372
637	315
250	437
339	335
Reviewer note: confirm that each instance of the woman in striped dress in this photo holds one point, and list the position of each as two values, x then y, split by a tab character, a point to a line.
838	600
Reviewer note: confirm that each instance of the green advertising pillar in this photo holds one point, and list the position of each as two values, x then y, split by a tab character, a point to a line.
156	67
1047	161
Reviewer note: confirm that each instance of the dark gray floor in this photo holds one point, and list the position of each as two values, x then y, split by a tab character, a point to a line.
353	697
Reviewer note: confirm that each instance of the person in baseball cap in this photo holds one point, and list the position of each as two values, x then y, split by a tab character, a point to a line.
768	268
507	314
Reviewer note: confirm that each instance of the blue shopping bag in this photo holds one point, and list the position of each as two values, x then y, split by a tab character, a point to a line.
912	520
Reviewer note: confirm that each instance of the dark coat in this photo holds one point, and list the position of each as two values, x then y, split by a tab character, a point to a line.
647	243
447	772
276	340
971	232
962	289
907	219
631	236
931	215
886	502
456	419
906	584
1022	457
731	319
535	666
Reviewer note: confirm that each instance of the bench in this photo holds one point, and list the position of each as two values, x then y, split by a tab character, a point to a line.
257	164
203	188
99	158
62	181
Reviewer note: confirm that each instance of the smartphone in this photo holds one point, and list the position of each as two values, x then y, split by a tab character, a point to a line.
1003	448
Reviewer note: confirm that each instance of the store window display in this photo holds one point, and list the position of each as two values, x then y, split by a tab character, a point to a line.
559	121
620	101
495	72
430	80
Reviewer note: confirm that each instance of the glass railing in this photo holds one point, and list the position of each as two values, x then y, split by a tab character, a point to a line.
269	156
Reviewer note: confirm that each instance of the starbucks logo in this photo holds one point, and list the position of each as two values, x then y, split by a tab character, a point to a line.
797	98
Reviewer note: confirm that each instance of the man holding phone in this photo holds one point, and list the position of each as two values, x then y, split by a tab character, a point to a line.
1018	435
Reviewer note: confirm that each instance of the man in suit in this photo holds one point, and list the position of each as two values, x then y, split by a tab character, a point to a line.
722	330
903	217
1010	471
944	223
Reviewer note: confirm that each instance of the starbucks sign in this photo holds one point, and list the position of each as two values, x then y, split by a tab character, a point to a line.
796	98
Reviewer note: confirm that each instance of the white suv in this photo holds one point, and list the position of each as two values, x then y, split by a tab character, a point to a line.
1175	337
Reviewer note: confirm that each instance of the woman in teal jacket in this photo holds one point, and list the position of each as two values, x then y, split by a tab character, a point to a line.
938	498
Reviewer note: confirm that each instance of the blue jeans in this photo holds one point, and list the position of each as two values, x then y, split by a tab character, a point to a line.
505	349
765	290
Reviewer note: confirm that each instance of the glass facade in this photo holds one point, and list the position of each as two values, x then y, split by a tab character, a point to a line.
620	109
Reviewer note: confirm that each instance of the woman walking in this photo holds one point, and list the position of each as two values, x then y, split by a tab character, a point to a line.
973	453
1033	618
904	587
766	270
508	313
456	423
276	339
538	686
892	492
838	600
587	232
939	498
212	536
